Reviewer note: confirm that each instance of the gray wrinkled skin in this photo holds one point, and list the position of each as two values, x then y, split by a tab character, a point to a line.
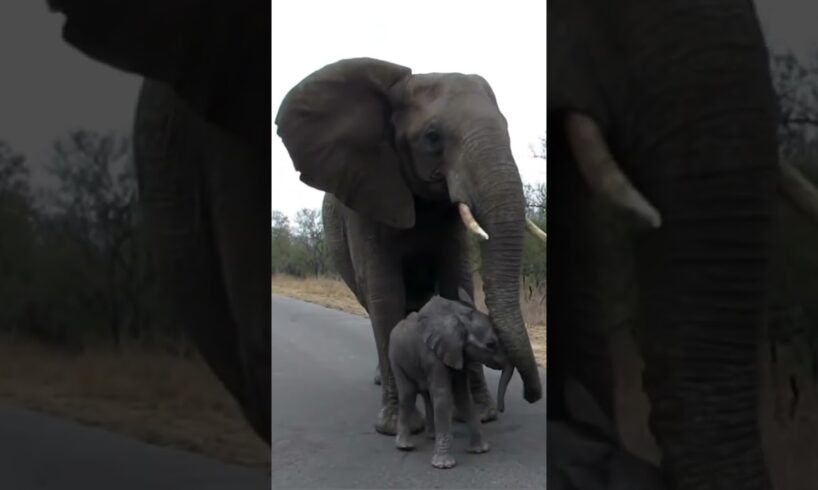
682	98
429	351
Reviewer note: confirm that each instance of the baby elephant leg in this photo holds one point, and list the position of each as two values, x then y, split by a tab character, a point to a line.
443	406
407	394
430	416
463	402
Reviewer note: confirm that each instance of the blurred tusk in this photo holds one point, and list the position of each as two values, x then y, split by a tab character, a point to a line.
471	223
601	171
535	230
799	189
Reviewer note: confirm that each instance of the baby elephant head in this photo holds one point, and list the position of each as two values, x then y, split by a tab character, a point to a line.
458	333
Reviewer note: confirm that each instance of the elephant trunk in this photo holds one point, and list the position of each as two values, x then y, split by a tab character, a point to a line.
705	270
499	207
505	377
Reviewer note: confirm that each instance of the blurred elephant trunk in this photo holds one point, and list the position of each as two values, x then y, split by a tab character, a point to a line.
498	204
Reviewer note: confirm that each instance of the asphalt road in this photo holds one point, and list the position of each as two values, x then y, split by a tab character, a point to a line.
44	453
324	407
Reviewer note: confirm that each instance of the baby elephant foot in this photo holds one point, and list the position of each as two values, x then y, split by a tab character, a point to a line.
486	411
443	461
387	423
403	443
377	379
478	447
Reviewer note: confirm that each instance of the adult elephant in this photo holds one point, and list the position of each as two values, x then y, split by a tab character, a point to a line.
404	158
202	148
214	55
205	206
676	98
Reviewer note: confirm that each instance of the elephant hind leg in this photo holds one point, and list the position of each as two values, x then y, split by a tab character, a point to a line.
336	240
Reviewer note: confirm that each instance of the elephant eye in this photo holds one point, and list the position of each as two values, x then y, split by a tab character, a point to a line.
491	344
433	140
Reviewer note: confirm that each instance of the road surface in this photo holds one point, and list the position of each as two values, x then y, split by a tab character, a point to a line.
42	452
324	407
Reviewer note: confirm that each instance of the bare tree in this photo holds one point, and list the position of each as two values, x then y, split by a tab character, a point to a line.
796	84
310	231
94	206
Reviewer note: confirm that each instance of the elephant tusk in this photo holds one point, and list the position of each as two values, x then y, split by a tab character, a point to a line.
471	223
799	189
602	173
535	230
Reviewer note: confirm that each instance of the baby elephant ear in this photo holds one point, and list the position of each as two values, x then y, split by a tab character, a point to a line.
464	297
446	336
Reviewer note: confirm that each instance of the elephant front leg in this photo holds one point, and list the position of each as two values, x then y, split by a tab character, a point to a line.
464	404
483	402
386	312
442	401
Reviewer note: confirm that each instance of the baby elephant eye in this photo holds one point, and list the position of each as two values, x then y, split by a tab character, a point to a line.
491	344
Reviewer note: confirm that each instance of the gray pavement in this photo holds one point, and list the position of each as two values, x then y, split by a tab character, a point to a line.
324	407
41	452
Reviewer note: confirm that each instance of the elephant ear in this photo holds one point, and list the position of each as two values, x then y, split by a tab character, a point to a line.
444	332
465	298
336	126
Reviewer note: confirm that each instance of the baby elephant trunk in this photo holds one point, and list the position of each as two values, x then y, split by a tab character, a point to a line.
505	377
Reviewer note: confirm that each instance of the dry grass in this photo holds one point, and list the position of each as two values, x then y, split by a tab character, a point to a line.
333	293
154	397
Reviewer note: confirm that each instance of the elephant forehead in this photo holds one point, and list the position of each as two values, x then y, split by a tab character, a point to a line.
428	86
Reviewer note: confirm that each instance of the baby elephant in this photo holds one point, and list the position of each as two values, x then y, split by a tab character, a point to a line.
428	351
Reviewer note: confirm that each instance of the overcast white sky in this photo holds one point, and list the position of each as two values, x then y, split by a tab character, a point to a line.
47	87
503	42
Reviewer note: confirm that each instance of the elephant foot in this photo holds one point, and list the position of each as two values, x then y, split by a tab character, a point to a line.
387	423
404	444
486	411
443	461
478	447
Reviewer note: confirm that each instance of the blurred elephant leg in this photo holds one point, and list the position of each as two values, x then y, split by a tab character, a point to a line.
238	196
171	187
